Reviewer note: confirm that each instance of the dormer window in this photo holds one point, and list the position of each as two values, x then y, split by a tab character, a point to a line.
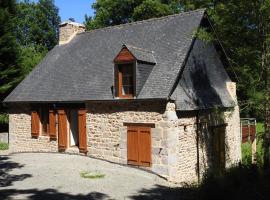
132	67
126	80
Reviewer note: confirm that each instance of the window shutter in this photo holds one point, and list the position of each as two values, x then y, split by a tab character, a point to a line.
82	131
62	130
34	124
52	125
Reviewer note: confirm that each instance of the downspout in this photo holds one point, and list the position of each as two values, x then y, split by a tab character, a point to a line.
197	146
197	142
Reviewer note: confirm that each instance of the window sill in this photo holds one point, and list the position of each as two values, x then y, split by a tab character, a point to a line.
130	97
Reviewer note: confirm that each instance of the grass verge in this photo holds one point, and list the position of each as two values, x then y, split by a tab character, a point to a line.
92	175
3	146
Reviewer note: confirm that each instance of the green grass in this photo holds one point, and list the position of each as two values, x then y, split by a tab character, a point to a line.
3	118
3	146
92	175
246	147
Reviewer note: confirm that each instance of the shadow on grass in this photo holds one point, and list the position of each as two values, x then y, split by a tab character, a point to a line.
48	194
242	182
6	166
160	192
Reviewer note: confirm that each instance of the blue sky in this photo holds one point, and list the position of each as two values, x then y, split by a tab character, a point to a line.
74	8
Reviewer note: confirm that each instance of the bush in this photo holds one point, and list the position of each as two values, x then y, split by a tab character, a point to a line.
3	118
240	182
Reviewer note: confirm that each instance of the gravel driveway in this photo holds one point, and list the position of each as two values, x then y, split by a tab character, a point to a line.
38	176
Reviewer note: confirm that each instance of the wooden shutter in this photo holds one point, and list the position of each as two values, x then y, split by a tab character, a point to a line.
52	125
82	131
132	146
62	130
144	146
34	124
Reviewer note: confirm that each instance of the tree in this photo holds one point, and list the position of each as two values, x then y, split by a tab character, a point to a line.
37	31
114	12
38	24
9	52
263	25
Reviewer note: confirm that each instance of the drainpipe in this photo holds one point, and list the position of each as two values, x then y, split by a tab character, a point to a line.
197	142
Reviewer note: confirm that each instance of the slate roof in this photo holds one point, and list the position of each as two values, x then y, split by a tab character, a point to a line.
142	54
83	69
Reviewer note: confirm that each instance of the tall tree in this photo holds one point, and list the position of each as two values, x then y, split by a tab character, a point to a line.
114	12
9	53
37	24
263	25
37	31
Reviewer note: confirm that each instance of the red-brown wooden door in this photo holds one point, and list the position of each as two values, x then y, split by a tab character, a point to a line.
139	146
62	130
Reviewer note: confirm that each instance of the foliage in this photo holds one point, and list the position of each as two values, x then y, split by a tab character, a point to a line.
9	52
3	146
239	182
28	31
246	147
149	9
246	153
3	118
30	57
38	24
114	12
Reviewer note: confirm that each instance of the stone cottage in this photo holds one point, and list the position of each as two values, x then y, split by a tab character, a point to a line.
149	94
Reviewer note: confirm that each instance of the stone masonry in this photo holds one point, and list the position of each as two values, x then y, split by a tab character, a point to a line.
174	142
68	30
20	133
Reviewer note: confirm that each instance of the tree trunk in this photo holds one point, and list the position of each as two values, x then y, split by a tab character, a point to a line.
266	141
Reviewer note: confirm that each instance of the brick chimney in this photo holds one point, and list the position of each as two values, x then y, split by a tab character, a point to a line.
68	30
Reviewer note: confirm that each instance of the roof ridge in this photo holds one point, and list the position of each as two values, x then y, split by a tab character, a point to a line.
138	48
145	21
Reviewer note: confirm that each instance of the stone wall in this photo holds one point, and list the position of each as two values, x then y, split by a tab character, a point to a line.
233	137
175	150
107	134
20	133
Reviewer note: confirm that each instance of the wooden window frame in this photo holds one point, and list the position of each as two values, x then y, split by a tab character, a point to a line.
119	81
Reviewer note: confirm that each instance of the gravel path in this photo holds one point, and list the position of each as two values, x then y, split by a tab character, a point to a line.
38	176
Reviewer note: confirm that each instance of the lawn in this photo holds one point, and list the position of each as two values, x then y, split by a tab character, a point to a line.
246	147
3	146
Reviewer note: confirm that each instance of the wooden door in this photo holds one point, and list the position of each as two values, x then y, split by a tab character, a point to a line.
144	147
219	148
139	146
132	146
82	131
62	130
